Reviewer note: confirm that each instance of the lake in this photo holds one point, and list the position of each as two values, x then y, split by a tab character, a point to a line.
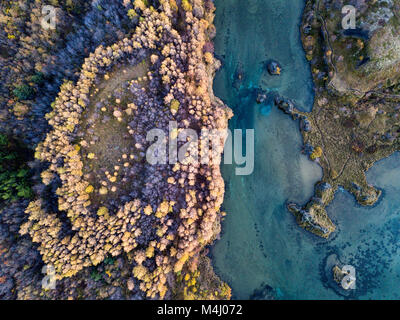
261	244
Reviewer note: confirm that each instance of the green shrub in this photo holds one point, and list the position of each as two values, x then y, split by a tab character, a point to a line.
14	173
23	92
109	260
96	276
38	78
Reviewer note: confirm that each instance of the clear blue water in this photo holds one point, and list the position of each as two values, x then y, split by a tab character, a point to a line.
261	243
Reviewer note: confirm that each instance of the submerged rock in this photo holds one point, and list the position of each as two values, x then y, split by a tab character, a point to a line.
261	98
286	105
238	77
265	292
274	68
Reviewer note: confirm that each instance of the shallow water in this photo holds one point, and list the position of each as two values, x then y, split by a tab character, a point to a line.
261	244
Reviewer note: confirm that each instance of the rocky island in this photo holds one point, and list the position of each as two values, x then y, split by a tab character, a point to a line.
355	120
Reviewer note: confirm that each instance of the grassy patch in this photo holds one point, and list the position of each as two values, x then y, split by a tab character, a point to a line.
107	148
14	173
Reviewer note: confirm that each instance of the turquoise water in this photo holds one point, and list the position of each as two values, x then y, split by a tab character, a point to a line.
261	243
